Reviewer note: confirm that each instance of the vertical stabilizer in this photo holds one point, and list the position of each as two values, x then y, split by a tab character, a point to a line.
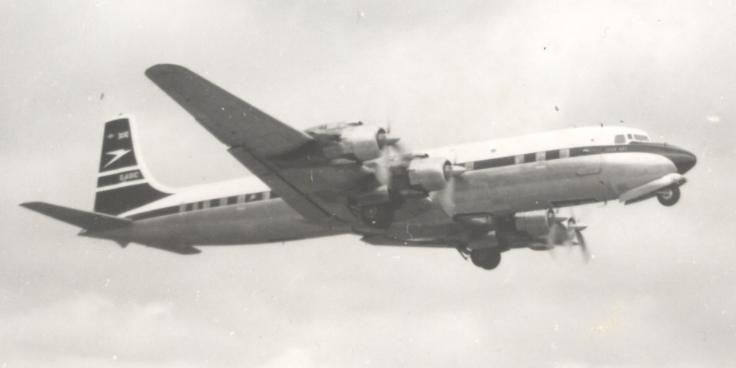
122	182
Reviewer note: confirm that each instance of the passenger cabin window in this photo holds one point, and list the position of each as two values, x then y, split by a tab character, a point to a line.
620	139
640	137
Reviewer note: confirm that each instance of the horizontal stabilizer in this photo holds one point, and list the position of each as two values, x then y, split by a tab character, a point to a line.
650	189
83	219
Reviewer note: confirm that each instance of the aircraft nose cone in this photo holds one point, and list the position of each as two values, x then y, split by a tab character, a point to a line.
683	160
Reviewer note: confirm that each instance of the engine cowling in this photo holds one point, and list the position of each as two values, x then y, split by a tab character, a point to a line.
364	142
534	225
430	173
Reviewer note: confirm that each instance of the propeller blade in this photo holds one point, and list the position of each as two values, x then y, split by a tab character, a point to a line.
383	172
583	245
446	197
566	231
550	238
557	235
392	154
576	231
570	240
551	218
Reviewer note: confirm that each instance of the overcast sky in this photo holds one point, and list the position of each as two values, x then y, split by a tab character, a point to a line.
659	292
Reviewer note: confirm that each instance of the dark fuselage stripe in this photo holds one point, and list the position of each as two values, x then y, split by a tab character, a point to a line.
210	203
494	162
573	152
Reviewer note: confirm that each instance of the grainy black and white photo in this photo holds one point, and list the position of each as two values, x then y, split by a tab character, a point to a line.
367	183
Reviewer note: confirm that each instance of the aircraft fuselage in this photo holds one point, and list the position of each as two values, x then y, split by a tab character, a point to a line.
505	176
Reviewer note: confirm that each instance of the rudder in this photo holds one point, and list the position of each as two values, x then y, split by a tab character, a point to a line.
122	184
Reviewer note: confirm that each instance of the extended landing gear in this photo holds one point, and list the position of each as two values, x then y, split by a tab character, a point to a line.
669	196
485	258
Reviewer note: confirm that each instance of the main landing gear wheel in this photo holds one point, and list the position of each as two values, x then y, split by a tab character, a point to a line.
485	258
669	197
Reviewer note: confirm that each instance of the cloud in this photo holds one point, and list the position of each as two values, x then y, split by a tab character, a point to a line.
292	357
94	328
713	119
659	291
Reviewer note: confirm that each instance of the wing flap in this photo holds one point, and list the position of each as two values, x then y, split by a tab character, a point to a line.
291	194
233	121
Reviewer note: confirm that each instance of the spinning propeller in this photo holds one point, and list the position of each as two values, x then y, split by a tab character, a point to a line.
569	234
393	154
407	173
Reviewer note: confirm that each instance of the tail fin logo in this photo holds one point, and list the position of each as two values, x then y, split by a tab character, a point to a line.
116	155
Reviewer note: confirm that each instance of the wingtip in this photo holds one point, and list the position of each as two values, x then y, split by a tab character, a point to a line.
163	68
30	205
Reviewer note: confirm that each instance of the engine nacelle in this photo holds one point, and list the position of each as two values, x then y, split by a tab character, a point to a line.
430	173
364	142
534	225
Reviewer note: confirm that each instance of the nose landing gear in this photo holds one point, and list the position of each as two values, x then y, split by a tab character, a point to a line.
669	196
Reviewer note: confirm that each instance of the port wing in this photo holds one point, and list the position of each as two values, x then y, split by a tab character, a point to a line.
252	136
233	121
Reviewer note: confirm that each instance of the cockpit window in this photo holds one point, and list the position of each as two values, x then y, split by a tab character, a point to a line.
620	139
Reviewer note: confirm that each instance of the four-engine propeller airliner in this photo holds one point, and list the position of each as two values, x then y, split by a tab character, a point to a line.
481	198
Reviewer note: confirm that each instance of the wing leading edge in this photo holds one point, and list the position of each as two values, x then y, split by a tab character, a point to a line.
233	121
